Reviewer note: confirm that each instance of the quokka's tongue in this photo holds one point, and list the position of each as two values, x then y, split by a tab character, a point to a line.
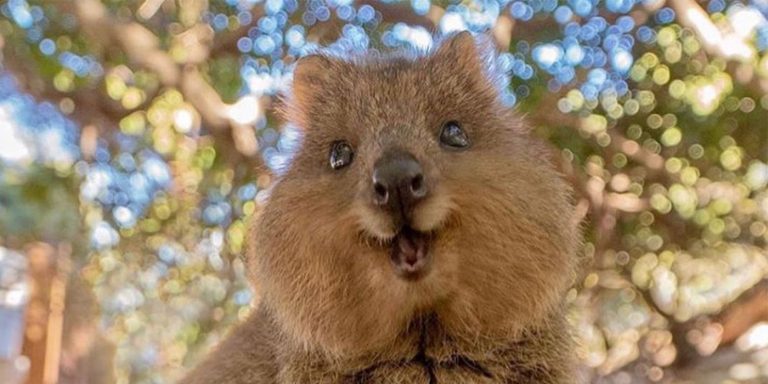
409	251
409	248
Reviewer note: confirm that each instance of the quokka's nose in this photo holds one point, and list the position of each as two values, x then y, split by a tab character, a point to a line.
398	182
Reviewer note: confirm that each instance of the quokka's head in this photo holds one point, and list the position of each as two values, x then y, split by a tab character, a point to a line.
415	191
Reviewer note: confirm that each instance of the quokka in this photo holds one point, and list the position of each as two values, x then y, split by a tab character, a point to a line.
420	235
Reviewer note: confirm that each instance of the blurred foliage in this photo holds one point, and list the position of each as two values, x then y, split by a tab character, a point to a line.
148	126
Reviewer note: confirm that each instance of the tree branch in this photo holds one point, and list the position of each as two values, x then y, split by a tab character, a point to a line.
726	45
144	50
403	13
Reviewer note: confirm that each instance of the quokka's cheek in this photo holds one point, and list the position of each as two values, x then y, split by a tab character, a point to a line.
373	222
433	213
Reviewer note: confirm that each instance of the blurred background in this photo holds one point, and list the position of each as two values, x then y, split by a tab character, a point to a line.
137	138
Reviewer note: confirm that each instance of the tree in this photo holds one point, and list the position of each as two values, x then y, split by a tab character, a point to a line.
657	108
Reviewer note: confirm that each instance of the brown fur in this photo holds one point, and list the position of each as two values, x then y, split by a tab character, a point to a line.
333	311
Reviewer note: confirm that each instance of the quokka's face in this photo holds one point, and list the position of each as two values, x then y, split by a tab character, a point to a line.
415	191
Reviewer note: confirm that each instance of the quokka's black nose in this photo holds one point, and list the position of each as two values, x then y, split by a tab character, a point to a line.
398	182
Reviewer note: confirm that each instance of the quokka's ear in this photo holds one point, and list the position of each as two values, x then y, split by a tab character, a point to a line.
461	50
467	59
312	76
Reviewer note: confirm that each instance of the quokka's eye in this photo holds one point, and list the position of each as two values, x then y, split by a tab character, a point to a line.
341	154
452	135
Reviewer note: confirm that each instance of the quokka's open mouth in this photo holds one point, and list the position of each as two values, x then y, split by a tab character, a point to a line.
410	253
